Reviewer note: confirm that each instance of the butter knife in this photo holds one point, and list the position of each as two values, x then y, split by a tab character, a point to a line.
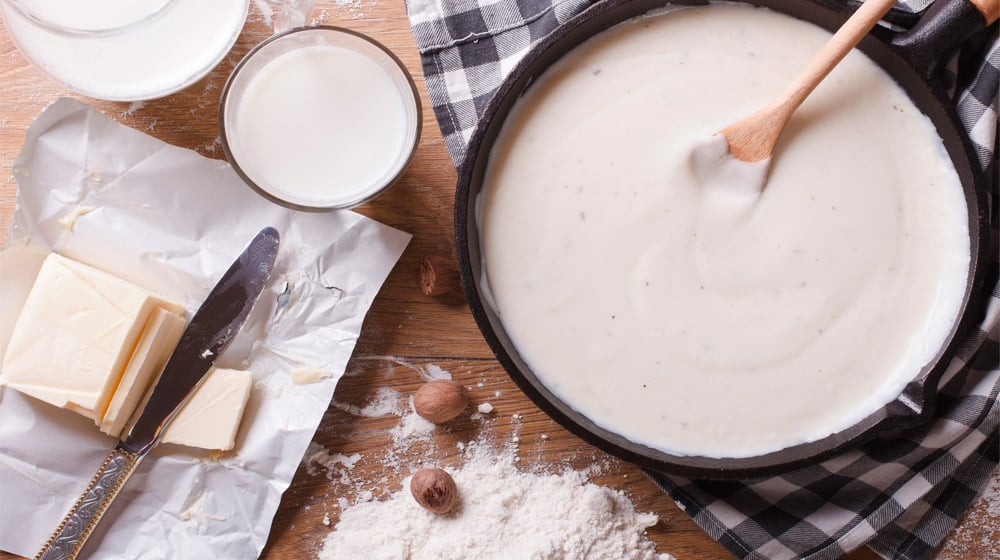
213	326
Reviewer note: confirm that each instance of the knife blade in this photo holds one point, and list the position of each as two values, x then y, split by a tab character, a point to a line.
212	327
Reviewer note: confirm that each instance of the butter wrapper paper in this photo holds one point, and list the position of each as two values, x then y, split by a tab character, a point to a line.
172	221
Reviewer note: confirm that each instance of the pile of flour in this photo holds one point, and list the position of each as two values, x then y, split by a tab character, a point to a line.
504	513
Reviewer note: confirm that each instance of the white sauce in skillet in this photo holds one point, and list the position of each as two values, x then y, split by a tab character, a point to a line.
702	321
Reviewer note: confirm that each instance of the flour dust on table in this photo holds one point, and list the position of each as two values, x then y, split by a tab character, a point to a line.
503	513
504	510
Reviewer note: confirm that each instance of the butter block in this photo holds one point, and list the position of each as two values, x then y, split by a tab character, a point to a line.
211	418
158	340
19	265
75	335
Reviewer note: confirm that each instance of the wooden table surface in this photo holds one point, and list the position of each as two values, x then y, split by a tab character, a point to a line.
405	331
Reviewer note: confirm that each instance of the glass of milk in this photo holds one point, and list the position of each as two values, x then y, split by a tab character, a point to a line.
320	118
125	50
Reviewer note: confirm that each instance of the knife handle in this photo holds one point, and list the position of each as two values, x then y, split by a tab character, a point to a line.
83	517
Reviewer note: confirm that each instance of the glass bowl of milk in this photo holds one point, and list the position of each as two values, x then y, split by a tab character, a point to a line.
320	118
125	50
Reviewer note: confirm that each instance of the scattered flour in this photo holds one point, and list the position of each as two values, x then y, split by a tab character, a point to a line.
336	465
386	401
286	14
356	8
428	372
266	12
991	497
412	425
210	147
281	15
985	512
132	108
432	372
504	513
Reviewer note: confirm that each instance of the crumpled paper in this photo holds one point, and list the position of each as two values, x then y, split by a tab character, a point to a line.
172	221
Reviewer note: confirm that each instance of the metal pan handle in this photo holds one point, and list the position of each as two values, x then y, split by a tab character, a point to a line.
944	26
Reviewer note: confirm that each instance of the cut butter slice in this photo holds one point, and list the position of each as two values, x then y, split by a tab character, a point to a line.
158	340
211	418
75	335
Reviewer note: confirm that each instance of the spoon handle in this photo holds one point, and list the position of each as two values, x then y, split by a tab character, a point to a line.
850	34
753	138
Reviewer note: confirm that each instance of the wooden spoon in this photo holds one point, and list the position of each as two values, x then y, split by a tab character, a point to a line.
753	138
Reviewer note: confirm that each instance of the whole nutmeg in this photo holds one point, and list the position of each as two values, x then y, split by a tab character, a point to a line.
434	489
440	400
438	275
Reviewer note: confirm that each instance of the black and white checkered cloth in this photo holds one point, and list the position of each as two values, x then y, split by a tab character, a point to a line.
899	496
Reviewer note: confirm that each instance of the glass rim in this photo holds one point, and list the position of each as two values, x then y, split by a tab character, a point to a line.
40	20
382	185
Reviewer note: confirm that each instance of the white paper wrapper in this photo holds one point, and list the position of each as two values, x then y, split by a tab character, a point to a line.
172	221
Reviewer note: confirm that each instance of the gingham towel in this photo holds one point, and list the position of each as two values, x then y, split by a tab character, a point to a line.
899	496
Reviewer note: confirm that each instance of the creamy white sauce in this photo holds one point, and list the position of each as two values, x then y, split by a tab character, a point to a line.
323	125
683	317
147	58
715	168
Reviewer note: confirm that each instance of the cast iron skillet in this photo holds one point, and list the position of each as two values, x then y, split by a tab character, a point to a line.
913	58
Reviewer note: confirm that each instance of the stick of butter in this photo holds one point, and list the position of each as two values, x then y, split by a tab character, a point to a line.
158	340
211	418
93	343
76	334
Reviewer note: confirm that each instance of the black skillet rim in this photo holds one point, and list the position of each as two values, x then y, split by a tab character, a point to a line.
895	416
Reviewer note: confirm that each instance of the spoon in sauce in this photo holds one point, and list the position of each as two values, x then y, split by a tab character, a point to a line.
738	157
